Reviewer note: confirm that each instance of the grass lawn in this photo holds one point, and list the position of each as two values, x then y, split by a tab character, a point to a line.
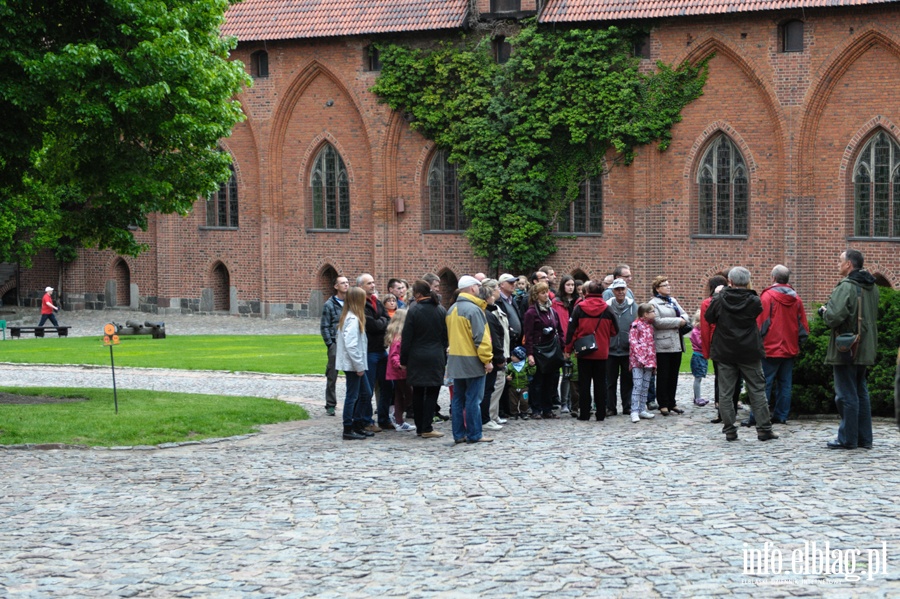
144	418
278	354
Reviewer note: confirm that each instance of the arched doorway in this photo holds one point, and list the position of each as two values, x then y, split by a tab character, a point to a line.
221	288
881	280
320	293
580	275
122	276
449	281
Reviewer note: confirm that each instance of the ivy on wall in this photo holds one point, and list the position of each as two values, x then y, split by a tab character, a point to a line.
526	133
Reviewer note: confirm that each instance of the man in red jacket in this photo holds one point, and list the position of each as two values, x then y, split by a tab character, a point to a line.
783	326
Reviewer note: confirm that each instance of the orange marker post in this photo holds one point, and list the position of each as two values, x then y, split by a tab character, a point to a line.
110	339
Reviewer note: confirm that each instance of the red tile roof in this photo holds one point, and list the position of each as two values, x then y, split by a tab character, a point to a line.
291	19
557	11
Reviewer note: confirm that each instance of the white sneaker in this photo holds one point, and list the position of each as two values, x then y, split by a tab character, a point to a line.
491	426
635	417
500	420
405	427
565	410
646	415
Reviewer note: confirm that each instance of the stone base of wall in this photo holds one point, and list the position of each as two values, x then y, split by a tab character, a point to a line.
176	305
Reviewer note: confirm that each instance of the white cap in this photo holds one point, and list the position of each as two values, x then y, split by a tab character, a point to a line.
48	289
467	281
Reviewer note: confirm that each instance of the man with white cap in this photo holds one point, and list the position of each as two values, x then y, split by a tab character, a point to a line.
469	360
47	308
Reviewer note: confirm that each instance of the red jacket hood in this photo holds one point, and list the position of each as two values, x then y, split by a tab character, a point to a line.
783	294
593	305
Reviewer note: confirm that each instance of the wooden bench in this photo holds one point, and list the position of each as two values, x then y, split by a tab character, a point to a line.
15	332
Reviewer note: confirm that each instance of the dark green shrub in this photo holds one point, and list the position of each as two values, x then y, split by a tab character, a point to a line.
813	388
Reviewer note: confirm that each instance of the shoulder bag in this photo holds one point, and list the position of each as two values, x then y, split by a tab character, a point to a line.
549	356
848	343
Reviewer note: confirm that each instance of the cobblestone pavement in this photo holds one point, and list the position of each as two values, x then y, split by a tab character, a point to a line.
662	508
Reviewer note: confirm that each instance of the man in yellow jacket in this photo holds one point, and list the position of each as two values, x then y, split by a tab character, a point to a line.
469	360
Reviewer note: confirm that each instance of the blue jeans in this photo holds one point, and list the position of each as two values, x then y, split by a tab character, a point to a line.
466	408
376	370
359	394
782	371
852	399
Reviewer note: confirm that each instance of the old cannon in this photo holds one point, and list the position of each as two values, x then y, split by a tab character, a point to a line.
156	329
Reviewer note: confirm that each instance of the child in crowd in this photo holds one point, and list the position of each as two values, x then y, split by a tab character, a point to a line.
394	373
699	364
642	360
390	304
519	374
522	285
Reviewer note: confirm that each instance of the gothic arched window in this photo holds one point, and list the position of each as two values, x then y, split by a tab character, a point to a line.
445	209
222	205
876	189
585	214
330	191
723	190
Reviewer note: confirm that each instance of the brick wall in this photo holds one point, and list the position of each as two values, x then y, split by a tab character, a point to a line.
798	118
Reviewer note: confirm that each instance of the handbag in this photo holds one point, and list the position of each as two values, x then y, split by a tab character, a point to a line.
549	356
685	329
848	343
585	345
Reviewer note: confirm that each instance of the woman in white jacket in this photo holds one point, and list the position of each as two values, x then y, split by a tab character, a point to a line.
352	347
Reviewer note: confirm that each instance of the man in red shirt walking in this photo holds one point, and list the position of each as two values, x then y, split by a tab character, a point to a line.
47	308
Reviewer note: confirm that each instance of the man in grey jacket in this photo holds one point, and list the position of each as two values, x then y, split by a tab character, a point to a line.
331	314
625	311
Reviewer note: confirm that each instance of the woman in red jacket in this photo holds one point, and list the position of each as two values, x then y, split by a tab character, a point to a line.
592	316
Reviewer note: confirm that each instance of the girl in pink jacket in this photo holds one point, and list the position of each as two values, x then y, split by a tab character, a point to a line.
642	360
397	373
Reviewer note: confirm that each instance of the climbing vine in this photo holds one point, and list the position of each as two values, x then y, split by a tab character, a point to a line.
526	133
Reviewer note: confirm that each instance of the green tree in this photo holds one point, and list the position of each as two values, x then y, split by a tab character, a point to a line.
524	135
112	110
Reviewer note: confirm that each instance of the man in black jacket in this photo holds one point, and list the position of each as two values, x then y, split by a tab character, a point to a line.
737	349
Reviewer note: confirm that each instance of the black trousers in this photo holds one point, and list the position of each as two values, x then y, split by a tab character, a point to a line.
542	390
490	380
424	400
591	372
616	367
667	366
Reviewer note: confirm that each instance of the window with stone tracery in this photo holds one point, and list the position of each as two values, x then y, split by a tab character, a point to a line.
330	191
445	209
723	190
876	189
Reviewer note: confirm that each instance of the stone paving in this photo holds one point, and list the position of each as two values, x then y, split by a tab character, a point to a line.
662	508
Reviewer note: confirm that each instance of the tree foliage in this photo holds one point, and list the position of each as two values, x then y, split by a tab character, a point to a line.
113	110
525	134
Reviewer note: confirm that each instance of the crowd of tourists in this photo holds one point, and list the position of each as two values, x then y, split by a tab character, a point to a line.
539	347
